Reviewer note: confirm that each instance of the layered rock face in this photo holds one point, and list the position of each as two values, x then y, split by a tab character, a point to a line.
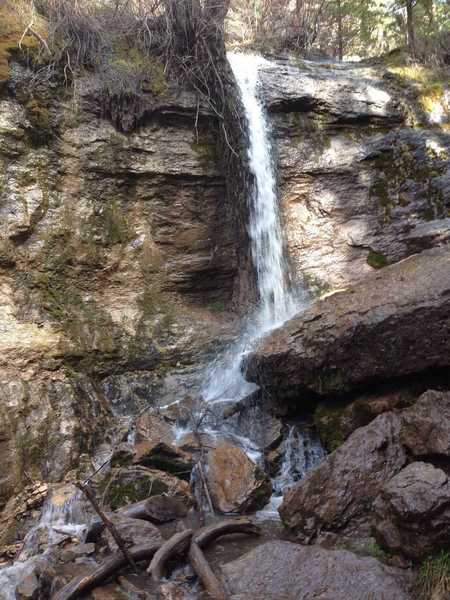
360	189
115	250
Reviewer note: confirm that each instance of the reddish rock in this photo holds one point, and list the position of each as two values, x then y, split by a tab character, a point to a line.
236	484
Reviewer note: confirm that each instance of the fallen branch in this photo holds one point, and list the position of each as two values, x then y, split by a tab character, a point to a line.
177	544
207	576
209	534
108	524
107	569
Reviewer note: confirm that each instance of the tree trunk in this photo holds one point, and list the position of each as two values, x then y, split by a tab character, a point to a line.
340	32
410	28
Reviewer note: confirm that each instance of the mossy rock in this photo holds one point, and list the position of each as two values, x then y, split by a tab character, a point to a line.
328	420
128	485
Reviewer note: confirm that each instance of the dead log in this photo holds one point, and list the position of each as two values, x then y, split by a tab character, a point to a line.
108	524
209	534
176	545
107	569
201	567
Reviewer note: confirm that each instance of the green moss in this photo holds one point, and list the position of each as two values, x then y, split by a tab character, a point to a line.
393	171
328	422
377	260
316	286
132	60
206	149
120	489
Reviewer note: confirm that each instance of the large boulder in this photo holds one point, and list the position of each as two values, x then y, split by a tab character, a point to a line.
338	494
284	571
236	484
412	512
426	425
393	323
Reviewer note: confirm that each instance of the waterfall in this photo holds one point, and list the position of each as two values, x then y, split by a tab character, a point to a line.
276	303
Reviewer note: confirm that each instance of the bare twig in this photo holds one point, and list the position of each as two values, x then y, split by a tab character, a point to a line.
87	491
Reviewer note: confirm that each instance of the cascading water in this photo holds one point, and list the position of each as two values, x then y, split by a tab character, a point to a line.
277	303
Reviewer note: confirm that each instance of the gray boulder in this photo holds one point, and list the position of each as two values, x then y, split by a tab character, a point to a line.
285	571
412	512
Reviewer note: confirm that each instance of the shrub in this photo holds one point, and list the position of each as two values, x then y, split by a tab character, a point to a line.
433	578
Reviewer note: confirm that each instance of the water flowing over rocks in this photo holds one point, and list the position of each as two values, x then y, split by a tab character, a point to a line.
412	512
393	323
292	572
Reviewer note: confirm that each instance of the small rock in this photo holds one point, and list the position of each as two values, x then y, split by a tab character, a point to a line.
28	588
134	532
163	509
236	484
165	457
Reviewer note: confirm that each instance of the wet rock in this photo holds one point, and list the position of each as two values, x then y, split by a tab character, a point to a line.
412	512
338	494
236	484
135	532
284	570
164	457
393	323
122	455
127	486
163	509
151	426
109	592
252	420
28	588
426	425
